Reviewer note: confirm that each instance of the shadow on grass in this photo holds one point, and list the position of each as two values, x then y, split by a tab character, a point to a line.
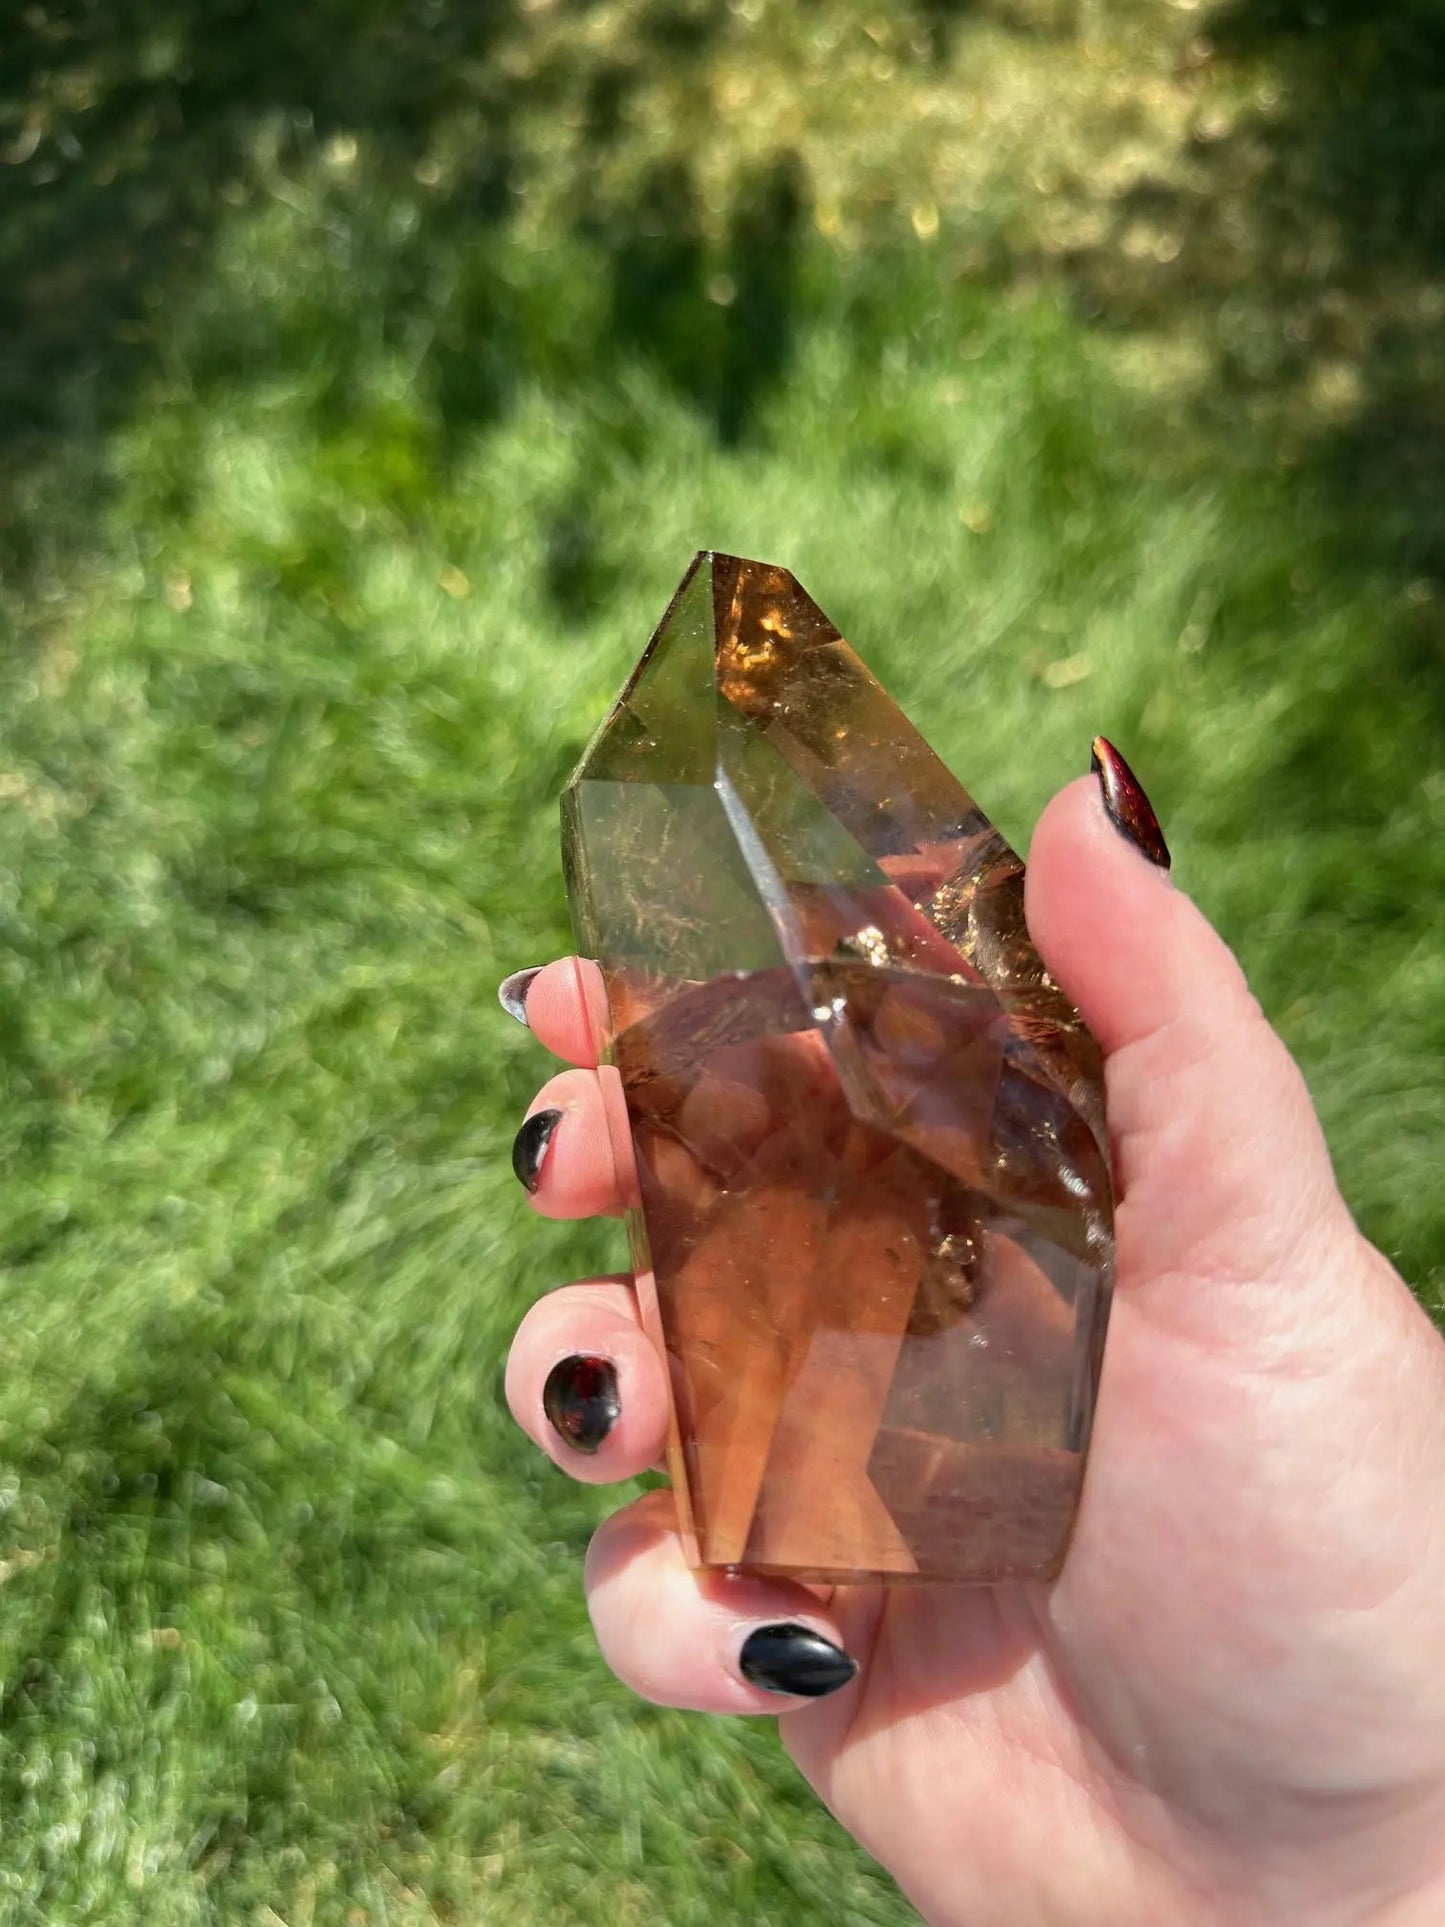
1356	226
1306	246
1314	237
1310	256
129	136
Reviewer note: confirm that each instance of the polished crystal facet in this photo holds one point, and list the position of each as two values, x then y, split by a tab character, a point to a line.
861	1128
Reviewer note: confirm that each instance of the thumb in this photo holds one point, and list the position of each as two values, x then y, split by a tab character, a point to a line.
1219	1160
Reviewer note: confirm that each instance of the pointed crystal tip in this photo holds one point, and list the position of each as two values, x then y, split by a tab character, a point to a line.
874	1226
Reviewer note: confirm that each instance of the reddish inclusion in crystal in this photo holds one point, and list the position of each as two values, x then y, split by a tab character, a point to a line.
873	1228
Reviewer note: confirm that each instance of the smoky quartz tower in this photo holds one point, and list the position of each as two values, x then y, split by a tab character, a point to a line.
862	1129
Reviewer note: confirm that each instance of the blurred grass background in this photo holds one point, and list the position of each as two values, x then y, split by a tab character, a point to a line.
370	372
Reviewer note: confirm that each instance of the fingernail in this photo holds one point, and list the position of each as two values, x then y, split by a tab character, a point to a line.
529	1146
512	992
580	1400
795	1660
1128	806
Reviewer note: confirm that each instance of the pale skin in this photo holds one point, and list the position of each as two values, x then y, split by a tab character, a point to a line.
1230	1707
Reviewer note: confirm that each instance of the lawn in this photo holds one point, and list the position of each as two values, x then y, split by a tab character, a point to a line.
370	373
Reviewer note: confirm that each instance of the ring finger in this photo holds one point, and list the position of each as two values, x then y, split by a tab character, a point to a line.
585	1384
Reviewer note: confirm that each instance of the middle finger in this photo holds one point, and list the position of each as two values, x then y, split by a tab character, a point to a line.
565	1152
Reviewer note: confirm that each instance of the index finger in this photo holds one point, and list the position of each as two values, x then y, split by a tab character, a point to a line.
565	1007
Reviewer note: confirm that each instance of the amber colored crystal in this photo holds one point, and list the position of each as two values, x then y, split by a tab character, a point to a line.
861	1128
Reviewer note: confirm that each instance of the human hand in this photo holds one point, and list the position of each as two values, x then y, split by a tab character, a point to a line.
1229	1706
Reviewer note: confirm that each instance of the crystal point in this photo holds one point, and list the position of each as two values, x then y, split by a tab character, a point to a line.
862	1129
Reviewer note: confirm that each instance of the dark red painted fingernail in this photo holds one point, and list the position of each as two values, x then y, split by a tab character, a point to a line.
580	1400
1129	808
793	1659
512	992
529	1146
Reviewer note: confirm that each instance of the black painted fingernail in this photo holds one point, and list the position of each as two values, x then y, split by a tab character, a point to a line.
529	1146
580	1399
794	1659
512	992
1129	808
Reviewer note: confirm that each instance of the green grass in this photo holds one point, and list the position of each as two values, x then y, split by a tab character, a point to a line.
372	375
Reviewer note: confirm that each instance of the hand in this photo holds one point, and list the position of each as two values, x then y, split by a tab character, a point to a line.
1230	1706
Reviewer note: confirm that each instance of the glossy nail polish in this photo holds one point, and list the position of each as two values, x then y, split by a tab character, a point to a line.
529	1147
580	1400
794	1660
1128	807
512	992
